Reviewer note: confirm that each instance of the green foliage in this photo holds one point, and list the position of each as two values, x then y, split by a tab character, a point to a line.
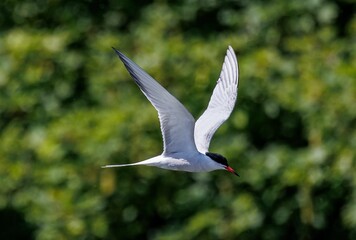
68	106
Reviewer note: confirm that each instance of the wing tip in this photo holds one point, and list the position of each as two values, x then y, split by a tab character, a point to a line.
117	51
120	54
230	51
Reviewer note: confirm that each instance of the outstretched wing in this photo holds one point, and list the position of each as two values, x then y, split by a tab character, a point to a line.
221	103
177	124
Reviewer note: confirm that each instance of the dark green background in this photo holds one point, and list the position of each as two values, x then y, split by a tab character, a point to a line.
68	106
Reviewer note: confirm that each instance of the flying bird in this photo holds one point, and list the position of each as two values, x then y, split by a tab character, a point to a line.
186	141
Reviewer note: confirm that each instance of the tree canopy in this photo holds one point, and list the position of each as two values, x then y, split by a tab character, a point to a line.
68	106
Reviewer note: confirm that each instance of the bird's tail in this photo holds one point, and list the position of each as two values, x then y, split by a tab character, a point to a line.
122	165
149	162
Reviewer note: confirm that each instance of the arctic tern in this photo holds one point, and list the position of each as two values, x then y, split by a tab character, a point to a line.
186	142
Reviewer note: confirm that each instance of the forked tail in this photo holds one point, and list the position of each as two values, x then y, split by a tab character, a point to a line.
122	165
149	162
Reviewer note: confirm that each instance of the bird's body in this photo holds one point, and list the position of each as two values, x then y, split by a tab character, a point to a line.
186	142
187	162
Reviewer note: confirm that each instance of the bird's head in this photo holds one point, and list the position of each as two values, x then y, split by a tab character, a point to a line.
222	161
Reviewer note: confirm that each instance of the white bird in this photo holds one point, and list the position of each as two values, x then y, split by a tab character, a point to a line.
186	142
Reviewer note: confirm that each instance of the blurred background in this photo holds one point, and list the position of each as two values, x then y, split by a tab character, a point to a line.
68	106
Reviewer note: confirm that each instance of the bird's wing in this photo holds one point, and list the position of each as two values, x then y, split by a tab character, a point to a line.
177	124
221	103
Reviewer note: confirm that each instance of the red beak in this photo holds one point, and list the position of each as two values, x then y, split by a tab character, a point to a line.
228	168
